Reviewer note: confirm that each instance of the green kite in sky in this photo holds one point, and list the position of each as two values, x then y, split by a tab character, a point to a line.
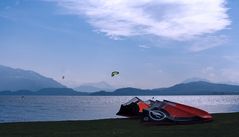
114	73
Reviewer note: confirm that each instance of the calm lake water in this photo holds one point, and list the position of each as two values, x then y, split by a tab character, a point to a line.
55	108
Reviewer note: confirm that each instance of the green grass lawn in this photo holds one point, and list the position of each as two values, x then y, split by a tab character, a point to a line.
224	125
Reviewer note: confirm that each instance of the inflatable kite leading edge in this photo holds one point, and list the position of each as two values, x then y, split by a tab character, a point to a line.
163	112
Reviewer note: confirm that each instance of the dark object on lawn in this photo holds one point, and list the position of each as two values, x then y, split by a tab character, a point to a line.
163	112
175	113
134	107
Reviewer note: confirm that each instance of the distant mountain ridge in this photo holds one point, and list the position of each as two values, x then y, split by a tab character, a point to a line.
26	82
195	79
192	88
200	88
93	87
19	79
47	92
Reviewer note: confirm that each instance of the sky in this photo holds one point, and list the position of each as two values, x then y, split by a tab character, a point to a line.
152	43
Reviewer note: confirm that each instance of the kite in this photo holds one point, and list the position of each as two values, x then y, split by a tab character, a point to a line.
114	73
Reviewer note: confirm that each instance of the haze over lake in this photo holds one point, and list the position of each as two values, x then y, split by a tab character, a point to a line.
57	108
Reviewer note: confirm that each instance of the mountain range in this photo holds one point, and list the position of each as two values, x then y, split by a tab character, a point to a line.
19	79
93	87
191	88
26	82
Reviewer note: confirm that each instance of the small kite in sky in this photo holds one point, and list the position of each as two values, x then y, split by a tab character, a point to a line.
114	73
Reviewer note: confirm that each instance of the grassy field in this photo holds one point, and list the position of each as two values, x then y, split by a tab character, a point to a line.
224	125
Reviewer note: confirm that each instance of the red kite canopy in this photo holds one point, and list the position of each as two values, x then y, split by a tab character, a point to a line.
163	112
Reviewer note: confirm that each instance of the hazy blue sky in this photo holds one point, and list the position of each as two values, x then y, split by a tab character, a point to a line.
152	43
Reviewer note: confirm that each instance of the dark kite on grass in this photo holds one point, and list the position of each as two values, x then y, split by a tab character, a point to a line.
163	112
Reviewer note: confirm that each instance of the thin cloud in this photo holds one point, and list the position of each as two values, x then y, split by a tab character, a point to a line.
231	74
221	75
204	43
171	19
231	58
144	46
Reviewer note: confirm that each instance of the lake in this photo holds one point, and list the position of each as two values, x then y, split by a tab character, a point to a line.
57	108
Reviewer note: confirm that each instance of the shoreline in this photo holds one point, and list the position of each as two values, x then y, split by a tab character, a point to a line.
116	118
223	125
82	120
